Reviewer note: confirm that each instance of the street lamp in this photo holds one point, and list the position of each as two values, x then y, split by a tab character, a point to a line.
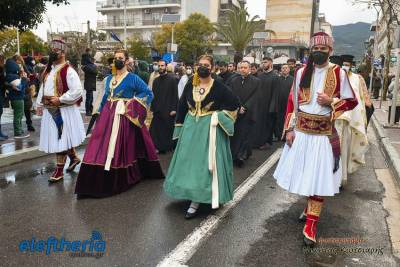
261	36
171	19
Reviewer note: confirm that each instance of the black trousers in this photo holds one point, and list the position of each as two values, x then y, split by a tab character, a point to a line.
89	102
27	109
271	126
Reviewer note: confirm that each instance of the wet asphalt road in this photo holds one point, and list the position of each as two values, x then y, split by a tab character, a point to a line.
140	226
143	225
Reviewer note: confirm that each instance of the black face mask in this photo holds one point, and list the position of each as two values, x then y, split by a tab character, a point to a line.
119	64
320	57
203	72
53	56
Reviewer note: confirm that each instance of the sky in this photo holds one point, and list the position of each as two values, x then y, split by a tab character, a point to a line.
75	15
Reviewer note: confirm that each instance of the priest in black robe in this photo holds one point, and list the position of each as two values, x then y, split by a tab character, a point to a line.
224	73
263	130
285	85
246	88
164	105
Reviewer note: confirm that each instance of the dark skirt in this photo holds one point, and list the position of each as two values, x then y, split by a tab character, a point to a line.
135	156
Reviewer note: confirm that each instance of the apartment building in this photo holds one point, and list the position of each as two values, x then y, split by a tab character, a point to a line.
143	17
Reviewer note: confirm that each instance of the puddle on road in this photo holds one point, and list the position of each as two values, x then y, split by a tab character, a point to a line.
14	176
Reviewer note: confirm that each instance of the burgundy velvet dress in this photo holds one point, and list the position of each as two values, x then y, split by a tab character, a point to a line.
134	155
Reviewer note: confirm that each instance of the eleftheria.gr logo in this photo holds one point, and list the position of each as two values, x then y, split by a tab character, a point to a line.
95	244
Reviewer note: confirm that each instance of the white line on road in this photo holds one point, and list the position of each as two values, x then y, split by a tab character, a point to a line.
186	249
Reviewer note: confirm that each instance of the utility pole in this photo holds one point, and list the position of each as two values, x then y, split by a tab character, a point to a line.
18	48
88	35
125	24
396	81
373	49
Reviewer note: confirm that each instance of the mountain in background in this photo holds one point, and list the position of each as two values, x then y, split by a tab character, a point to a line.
349	39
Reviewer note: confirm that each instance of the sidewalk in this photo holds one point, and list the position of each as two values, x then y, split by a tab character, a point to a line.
17	150
389	137
13	151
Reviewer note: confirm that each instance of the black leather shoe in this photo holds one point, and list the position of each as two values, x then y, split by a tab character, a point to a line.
308	242
190	215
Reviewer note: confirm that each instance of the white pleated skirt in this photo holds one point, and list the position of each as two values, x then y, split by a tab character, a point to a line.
307	167
73	133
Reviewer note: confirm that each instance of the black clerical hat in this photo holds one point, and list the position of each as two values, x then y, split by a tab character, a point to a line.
336	60
347	58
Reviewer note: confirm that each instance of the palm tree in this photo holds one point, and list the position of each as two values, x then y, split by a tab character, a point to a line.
239	28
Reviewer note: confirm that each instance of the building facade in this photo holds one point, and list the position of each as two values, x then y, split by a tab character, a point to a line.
143	17
293	21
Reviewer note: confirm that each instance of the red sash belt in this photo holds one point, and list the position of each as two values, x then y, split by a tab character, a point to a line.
314	124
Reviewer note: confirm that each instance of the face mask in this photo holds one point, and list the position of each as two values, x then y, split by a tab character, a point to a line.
346	68
119	64
33	62
203	72
320	57
53	56
188	72
155	68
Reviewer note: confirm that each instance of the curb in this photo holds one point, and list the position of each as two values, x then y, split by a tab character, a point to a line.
26	154
392	156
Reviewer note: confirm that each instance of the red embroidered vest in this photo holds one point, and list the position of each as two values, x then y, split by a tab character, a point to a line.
61	84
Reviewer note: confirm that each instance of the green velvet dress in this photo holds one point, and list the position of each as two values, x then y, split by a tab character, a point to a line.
188	176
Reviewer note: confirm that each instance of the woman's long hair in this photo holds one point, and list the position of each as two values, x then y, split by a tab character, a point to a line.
308	71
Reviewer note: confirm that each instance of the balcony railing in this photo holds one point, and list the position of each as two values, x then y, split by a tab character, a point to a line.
133	3
129	23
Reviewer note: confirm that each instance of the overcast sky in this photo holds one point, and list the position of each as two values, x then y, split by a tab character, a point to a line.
73	16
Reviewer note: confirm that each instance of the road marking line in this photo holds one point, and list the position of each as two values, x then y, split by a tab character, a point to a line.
186	249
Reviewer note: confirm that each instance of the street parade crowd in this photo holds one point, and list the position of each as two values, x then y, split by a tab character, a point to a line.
211	115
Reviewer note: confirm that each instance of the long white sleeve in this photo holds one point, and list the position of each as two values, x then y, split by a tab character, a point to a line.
181	85
345	88
40	96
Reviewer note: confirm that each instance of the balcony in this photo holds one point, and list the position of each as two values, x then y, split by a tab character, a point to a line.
130	24
136	4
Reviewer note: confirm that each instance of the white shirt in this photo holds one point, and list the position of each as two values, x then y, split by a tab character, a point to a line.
181	85
318	86
74	85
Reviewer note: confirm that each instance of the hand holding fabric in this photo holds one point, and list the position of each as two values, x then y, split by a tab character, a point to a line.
290	138
55	101
324	100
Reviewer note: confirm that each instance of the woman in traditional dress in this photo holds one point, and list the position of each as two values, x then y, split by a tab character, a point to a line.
201	169
120	151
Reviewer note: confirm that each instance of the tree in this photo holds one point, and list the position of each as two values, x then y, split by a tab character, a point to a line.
29	43
138	49
24	14
390	18
194	36
162	37
239	28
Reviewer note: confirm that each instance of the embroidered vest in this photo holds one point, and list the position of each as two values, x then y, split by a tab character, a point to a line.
331	88
61	84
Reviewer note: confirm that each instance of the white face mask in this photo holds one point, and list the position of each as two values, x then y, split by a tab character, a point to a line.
155	68
346	68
